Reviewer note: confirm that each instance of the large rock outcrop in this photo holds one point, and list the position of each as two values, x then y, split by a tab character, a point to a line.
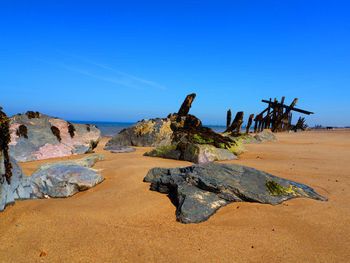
180	136
36	136
199	190
152	132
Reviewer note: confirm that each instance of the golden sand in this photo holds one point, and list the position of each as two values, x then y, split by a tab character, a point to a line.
120	220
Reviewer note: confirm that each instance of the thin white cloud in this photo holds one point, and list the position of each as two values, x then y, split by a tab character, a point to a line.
145	81
125	83
127	78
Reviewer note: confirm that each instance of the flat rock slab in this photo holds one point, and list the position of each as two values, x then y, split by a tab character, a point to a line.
120	149
64	180
87	161
199	190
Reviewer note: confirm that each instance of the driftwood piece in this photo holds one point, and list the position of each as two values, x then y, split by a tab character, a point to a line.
186	105
228	119
250	120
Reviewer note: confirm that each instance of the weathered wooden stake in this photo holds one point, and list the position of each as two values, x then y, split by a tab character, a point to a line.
186	105
267	123
228	119
261	124
251	116
256	123
237	123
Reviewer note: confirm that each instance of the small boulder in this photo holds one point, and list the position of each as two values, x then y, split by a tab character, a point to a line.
196	153
266	137
62	180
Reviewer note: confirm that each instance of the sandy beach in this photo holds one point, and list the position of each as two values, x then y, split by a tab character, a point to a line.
121	220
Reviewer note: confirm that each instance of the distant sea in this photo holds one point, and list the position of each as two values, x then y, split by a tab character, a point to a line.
112	128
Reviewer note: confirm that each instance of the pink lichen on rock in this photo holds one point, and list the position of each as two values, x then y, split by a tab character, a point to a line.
52	151
49	137
13	129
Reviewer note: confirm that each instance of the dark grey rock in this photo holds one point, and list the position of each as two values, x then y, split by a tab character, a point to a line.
199	190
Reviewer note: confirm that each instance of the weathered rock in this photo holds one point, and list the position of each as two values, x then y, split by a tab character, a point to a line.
87	161
266	137
19	187
199	190
59	179
153	132
197	153
63	180
36	136
180	136
120	149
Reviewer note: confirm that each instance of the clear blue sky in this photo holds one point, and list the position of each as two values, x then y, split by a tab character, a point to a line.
129	60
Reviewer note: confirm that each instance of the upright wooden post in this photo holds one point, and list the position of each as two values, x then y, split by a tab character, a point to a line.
240	122
186	105
250	120
261	123
267	124
281	110
228	119
256	123
237	123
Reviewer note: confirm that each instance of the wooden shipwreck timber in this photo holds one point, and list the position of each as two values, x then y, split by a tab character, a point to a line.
277	117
